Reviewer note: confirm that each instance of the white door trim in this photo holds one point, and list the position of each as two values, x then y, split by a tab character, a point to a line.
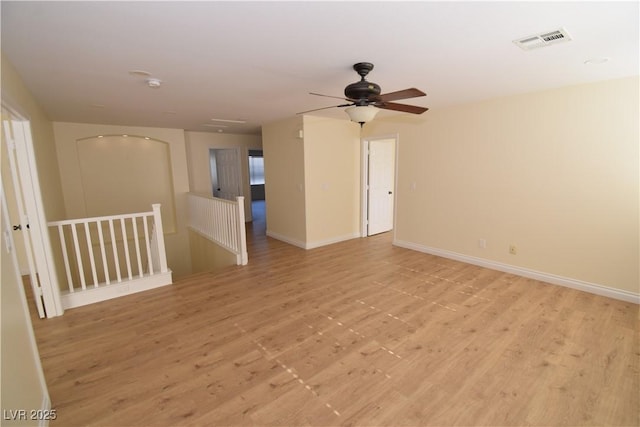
364	187
18	209
364	181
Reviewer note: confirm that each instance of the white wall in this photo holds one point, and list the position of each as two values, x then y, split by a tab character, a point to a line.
554	173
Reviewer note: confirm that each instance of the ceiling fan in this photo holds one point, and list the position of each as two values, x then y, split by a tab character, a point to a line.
365	99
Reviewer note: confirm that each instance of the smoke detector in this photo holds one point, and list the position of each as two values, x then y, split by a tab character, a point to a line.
543	40
154	83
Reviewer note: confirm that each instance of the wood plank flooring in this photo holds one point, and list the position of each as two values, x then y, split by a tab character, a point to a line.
357	333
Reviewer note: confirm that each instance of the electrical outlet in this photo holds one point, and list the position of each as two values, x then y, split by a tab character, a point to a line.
513	250
482	243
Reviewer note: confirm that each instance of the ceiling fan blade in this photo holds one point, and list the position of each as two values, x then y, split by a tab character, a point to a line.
329	96
401	94
324	108
413	109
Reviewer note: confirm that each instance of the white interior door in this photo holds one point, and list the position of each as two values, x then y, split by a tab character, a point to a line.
18	226
28	213
228	172
381	178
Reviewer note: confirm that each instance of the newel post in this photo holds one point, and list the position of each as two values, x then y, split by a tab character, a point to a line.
157	220
242	232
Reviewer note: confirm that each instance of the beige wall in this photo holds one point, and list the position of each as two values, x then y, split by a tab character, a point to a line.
68	136
312	175
554	173
113	181
285	180
207	256
198	146
332	179
16	96
21	375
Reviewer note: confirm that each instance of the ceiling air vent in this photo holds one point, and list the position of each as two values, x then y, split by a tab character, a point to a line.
545	39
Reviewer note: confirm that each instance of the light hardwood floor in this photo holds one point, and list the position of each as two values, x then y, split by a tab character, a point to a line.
356	333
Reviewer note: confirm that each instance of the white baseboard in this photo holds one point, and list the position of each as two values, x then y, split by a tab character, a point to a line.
45	409
312	245
286	239
580	285
114	290
337	239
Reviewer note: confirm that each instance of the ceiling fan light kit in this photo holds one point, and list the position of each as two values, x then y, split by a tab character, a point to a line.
362	113
365	98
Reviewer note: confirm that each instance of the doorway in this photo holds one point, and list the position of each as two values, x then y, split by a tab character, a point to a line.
257	182
379	177
21	191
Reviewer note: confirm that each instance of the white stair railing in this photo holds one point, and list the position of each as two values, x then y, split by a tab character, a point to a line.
221	221
105	251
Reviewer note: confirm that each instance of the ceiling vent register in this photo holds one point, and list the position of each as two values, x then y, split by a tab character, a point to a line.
542	40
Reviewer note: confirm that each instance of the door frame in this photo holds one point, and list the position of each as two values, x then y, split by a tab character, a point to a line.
249	197
34	208
364	180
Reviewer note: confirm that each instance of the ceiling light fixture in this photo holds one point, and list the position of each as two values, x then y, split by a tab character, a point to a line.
154	83
229	121
362	113
140	73
215	126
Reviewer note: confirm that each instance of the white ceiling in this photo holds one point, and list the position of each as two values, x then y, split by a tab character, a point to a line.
258	61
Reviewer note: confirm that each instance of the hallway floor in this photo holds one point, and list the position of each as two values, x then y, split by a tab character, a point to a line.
359	333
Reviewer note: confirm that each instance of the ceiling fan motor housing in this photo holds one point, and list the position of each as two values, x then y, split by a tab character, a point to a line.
362	91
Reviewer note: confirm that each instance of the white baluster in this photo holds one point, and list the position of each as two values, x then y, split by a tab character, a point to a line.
92	261
148	245
103	253
125	244
137	244
76	246
114	246
65	257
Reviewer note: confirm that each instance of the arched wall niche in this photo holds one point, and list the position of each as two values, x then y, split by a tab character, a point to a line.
126	174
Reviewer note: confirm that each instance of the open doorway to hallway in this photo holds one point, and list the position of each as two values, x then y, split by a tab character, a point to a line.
258	202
